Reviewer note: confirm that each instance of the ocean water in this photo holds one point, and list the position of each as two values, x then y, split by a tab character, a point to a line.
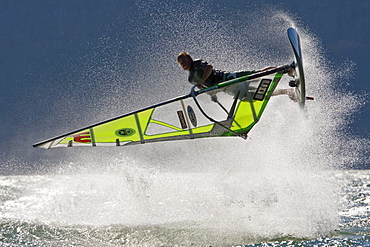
194	209
289	184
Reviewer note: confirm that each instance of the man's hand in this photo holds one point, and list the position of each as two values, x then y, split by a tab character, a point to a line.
200	85
214	98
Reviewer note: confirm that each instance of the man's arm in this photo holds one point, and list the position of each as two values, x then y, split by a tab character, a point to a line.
207	72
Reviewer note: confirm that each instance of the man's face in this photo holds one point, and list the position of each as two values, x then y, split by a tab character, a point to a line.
185	62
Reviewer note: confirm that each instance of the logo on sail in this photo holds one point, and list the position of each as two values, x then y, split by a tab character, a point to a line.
262	89
125	132
192	117
84	137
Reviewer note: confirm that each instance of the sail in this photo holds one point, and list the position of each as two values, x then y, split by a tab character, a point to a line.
241	103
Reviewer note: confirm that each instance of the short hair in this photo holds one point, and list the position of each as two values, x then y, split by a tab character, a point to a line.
182	54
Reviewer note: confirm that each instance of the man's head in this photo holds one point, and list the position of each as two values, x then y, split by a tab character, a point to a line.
184	60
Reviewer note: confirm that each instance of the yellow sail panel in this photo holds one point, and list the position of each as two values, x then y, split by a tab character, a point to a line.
82	137
258	106
244	116
250	109
115	132
174	134
118	131
125	129
203	129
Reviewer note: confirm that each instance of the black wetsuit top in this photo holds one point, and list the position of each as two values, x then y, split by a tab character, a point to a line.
196	72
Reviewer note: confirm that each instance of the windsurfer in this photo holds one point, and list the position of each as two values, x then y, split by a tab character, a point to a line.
203	75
